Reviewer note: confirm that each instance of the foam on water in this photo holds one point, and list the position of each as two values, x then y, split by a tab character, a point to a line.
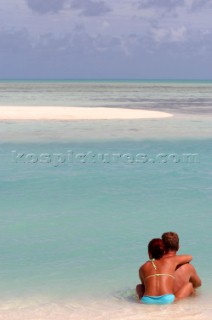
115	308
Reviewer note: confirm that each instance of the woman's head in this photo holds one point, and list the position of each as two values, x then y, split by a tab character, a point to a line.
156	248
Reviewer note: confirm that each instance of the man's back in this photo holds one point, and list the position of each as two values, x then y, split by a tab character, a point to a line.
186	273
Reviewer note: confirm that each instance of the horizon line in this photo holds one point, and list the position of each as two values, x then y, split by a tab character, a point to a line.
104	79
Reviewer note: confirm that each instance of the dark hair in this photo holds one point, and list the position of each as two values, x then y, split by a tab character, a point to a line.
156	248
171	241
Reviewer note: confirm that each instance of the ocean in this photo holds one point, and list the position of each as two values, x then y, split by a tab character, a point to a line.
80	200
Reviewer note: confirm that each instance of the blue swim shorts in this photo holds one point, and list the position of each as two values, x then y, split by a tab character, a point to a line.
164	299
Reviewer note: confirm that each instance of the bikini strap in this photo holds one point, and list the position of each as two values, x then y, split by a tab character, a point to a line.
152	261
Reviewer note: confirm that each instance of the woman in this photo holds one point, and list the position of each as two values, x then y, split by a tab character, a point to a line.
157	276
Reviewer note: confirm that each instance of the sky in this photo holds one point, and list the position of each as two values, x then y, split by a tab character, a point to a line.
106	39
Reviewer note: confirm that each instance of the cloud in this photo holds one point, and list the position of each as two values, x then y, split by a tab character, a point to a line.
172	5
46	6
86	7
90	8
163	52
169	5
195	5
166	35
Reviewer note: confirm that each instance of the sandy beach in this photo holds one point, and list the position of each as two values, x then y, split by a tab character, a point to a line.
76	113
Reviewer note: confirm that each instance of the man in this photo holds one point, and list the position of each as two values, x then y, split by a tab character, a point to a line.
185	274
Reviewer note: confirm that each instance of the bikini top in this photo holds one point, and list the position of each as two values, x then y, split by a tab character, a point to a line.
157	274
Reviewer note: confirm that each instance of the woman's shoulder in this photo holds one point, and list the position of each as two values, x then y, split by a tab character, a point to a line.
145	265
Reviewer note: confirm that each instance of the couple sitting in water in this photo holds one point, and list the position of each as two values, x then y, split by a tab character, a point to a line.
166	276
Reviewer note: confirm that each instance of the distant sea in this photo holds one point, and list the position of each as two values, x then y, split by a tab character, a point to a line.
172	96
81	200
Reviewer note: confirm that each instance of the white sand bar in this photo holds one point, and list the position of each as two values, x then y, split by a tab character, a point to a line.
76	113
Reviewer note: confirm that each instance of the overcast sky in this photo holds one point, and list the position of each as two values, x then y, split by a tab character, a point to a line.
152	39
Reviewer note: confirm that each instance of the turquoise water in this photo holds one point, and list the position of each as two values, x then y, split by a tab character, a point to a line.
76	215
